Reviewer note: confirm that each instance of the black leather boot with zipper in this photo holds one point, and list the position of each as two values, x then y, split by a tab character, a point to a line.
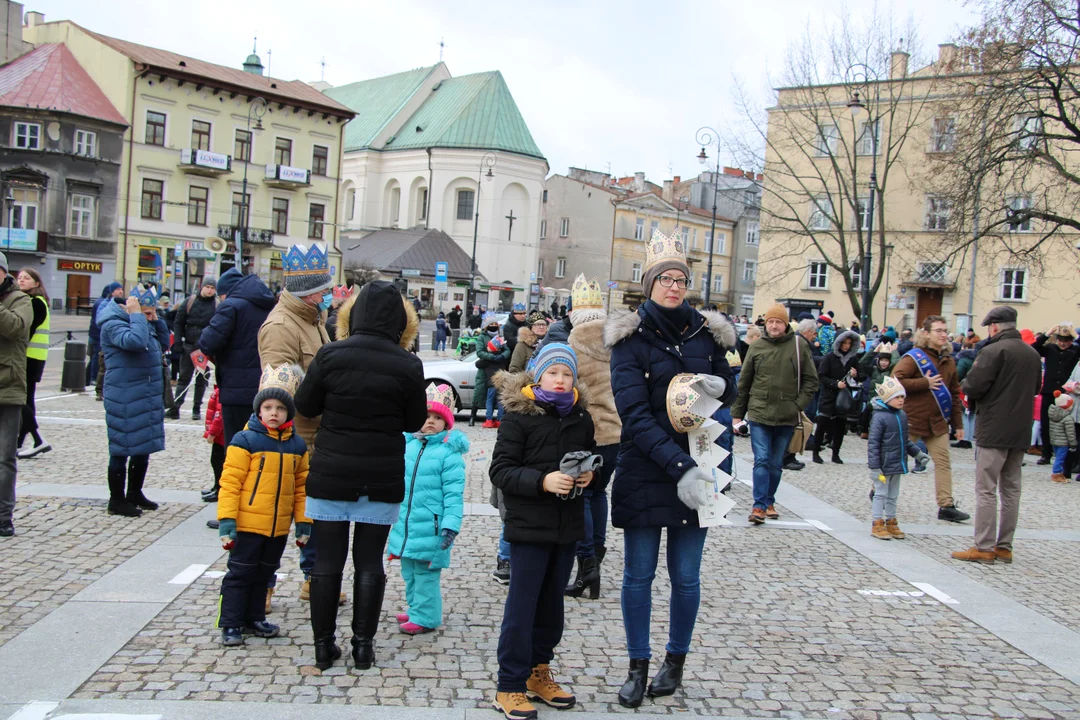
325	591
669	677
633	690
368	589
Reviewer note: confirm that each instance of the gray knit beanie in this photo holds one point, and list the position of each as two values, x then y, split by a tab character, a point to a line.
655	271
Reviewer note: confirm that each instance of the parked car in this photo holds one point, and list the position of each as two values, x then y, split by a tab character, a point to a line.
458	373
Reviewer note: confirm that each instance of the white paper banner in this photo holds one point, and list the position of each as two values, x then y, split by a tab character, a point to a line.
708	455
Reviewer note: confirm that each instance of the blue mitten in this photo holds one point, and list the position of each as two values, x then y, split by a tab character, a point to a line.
448	537
227	533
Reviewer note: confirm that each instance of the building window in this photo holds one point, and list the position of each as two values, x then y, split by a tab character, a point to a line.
867	141
653	227
749	271
937	213
320	157
931	272
560	268
704	279
1028	131
85	143
827	137
155	128
351	199
818	276
198	198
82	216
545	196
635	272
242	145
693	240
564	227
24	210
1018	204
153	192
863	205
241	210
943	135
1013	284
465	200
282	151
686	237
690	281
718	283
639	229
316	215
543	229
721	243
821	214
753	232
281	216
395	204
856	274
200	135
27	136
540	270
421	197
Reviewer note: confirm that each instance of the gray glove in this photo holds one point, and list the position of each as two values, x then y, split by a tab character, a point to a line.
922	458
694	488
713	385
578	462
875	476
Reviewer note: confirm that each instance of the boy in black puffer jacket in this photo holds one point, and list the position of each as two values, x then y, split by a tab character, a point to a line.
886	452
544	421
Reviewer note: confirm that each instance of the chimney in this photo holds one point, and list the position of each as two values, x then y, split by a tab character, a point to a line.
669	190
735	172
677	179
898	65
639	182
34	18
948	54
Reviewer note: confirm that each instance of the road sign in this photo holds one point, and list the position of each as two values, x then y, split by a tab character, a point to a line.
441	270
612	284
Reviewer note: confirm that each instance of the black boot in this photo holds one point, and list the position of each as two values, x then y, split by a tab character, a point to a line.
136	478
817	458
588	577
472	418
325	591
669	677
368	588
633	690
836	457
601	551
118	504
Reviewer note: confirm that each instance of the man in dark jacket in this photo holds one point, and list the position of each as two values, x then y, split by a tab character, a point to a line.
1003	382
231	340
454	318
110	291
905	344
510	328
476	318
192	317
1061	354
16	315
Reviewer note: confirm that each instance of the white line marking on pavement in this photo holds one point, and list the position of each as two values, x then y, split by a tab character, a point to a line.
189	575
57	397
786	524
213	574
35	711
936	594
106	716
819	525
891	593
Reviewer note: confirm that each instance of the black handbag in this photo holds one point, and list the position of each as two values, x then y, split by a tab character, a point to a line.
844	401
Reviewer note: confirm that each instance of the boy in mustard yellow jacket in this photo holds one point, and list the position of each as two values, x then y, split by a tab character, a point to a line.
262	491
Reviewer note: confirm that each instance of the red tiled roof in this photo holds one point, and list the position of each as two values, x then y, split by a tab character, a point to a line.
678	205
286	90
50	78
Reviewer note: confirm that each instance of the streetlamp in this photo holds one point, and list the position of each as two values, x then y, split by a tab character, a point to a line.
258	107
9	203
888	273
487	161
707	137
856	106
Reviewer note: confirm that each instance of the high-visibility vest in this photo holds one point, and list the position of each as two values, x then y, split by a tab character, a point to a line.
38	349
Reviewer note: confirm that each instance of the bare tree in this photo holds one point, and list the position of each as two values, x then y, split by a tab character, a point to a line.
817	155
362	273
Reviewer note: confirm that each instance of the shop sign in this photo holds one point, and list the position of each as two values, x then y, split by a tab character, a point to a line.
410	273
18	239
78	266
287	173
747	300
204	158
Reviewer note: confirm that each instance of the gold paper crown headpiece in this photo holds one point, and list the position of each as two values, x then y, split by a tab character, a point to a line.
664	247
586	294
441	394
286	377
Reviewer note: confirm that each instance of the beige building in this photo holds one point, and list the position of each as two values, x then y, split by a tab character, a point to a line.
812	223
199	134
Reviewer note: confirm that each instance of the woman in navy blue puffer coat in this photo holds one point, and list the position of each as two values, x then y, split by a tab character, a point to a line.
656	481
133	339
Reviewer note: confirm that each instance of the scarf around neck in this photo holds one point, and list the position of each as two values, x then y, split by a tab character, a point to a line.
562	402
671	322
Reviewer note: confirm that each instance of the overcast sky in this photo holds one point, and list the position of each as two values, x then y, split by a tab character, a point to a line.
620	83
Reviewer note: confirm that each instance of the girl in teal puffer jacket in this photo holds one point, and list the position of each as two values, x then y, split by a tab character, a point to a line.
430	517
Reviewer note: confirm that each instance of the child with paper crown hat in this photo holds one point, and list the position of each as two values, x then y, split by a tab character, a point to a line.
886	456
431	514
262	492
539	464
1062	433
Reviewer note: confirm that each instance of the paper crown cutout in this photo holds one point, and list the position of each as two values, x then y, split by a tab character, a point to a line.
147	296
519	307
440	395
663	247
300	260
342	292
682	396
885	348
286	377
586	294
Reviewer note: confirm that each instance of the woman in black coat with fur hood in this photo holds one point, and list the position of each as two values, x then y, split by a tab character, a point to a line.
836	371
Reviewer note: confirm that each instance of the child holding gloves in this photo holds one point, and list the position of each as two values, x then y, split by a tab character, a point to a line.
886	456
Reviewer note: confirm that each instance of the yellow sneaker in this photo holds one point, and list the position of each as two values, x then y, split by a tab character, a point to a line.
514	705
542	686
305	591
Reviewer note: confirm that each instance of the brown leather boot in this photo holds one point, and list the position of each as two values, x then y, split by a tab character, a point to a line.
1059	478
974	554
879	530
894	529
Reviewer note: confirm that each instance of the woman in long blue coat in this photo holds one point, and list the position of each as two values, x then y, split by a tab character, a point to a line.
133	339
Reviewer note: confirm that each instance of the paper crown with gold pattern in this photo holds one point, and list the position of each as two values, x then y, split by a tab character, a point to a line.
661	248
279	383
306	270
586	301
440	399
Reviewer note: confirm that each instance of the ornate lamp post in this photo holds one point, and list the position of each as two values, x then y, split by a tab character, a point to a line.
487	161
707	137
256	107
856	105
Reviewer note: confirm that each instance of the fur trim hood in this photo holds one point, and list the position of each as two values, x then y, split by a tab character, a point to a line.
345	325
510	385
527	336
856	345
621	324
588	339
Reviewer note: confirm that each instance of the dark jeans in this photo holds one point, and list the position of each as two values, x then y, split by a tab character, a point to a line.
1044	428
836	426
769	443
596	503
187	369
10	419
642	547
492	404
29	415
91	370
532	624
233	420
217	462
252	562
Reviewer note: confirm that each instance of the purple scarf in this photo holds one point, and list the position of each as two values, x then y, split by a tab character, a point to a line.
562	402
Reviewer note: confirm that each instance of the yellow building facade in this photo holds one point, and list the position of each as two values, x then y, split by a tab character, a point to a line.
637	217
199	135
924	272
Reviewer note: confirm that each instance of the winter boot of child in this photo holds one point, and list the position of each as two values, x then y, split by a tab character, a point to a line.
633	690
894	529
118	504
588	577
669	677
879	530
368	589
324	592
1059	478
542	686
136	477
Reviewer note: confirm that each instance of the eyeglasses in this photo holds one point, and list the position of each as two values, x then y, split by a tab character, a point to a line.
943	331
539	325
667	281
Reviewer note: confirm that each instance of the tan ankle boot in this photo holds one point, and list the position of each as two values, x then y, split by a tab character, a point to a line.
894	529
879	530
1059	478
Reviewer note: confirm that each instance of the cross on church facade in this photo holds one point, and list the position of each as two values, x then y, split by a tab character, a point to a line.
510	232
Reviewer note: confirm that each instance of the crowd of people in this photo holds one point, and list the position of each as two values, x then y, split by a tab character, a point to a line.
318	381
